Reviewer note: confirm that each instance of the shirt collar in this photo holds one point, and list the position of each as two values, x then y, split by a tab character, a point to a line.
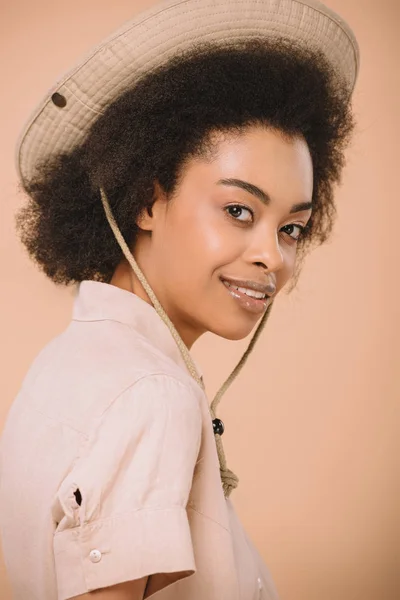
95	301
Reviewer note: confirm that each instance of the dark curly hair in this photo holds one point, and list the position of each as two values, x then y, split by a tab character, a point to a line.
152	130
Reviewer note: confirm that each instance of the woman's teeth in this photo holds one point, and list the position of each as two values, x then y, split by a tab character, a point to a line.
252	293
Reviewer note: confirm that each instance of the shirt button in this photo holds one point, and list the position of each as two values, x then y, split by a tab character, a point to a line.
260	585
95	556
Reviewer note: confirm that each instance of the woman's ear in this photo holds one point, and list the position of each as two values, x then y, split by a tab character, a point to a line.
149	215
145	219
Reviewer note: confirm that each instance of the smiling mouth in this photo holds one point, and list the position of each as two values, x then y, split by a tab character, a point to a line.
247	286
247	291
249	300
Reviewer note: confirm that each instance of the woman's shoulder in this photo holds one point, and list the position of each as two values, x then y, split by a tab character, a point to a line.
80	372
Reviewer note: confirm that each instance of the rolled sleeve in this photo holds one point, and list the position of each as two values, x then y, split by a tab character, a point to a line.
134	476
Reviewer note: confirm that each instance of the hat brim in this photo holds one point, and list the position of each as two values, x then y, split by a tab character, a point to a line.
155	35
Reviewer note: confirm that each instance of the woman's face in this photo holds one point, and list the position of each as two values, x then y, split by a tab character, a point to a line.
233	218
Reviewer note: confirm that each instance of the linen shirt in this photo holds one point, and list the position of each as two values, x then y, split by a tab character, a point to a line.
109	470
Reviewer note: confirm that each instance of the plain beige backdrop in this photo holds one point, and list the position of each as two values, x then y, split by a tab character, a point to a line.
312	423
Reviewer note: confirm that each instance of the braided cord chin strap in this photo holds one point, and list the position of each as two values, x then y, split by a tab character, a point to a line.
229	479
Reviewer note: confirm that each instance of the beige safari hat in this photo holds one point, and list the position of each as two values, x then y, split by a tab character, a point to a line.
65	115
67	111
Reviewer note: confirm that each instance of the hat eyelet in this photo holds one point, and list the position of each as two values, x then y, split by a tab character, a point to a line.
59	100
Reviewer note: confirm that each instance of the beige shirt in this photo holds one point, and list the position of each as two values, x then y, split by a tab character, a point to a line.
109	470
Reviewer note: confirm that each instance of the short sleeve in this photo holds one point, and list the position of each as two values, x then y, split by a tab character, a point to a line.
123	505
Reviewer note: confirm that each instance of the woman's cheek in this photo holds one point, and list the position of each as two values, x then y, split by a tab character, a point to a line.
288	268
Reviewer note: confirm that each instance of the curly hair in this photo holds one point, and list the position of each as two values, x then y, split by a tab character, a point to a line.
152	130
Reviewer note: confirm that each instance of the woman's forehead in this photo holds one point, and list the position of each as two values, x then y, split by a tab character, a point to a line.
278	165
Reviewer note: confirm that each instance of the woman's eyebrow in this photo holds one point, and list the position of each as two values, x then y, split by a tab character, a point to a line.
259	193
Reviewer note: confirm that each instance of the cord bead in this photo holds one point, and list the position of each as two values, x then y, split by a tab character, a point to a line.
218	426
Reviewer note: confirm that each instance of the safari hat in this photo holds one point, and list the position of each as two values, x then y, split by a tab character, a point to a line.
68	110
64	117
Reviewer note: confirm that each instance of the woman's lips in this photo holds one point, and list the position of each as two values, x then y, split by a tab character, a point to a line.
252	305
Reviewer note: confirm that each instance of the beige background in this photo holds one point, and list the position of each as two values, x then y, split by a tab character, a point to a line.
311	424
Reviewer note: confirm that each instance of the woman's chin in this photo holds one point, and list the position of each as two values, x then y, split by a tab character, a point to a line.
233	332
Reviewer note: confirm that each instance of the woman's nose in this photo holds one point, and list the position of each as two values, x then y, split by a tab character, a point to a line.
266	250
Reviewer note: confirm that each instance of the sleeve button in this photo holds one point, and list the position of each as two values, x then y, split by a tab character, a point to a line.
95	556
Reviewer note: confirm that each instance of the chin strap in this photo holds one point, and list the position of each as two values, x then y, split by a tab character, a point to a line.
229	479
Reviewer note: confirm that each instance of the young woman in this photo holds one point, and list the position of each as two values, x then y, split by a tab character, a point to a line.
177	177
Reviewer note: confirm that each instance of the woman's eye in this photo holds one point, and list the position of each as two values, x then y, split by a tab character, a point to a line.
237	211
246	215
293	230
